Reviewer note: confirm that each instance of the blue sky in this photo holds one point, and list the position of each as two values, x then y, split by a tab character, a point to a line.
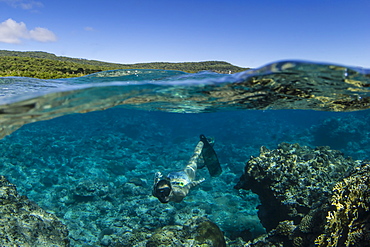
245	33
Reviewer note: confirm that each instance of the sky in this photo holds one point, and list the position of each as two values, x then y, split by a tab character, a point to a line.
246	33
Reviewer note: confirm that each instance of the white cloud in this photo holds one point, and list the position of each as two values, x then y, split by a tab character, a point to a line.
42	35
90	29
13	32
23	4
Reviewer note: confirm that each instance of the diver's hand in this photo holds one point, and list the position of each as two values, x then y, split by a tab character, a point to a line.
158	176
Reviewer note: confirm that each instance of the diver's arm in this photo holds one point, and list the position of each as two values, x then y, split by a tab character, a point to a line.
179	193
195	183
158	176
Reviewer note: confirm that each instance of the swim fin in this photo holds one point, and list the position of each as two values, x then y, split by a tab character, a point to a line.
210	158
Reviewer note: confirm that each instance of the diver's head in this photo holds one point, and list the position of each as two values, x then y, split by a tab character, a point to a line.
162	190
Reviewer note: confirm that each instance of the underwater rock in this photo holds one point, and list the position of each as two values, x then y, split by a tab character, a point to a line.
132	189
291	180
23	223
137	181
49	180
275	238
348	222
197	231
205	231
86	190
294	184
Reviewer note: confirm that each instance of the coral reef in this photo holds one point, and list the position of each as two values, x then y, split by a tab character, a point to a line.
348	222
23	223
295	184
86	190
94	171
291	180
197	231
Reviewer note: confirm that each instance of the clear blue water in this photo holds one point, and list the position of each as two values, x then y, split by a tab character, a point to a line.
95	170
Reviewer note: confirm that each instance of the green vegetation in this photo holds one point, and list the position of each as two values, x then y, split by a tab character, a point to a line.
45	65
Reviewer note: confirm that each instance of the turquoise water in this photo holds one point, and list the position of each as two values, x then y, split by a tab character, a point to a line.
95	170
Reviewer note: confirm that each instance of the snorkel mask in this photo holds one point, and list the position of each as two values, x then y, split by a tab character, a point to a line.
162	188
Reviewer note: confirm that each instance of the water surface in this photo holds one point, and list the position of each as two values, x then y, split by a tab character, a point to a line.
95	170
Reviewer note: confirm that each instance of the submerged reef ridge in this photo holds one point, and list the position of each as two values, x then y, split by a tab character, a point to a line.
23	223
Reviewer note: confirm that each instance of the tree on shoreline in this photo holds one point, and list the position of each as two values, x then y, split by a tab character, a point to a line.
49	66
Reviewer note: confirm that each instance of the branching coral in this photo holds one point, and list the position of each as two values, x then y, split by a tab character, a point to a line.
348	223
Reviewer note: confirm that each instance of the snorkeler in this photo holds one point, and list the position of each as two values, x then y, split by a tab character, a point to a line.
177	185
